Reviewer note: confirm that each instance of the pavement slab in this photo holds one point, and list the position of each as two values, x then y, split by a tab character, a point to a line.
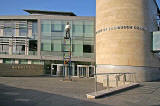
51	91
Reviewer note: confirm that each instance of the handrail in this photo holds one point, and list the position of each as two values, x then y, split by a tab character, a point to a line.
111	73
117	77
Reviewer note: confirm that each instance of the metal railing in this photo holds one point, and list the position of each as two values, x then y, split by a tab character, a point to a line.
110	80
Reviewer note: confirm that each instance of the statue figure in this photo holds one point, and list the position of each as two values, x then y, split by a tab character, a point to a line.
67	29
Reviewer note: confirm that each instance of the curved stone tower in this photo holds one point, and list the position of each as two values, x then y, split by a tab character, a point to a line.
123	38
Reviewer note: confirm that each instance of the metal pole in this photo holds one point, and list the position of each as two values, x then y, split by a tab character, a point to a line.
95	83
134	77
116	80
124	79
108	82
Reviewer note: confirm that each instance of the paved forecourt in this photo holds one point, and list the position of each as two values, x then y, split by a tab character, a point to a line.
49	91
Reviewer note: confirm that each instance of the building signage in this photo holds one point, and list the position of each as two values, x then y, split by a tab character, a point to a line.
121	27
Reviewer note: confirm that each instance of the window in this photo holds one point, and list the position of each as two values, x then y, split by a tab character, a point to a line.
9	29
77	49
4	49
34	29
23	61
37	62
88	48
89	28
46	45
56	26
33	45
46	28
9	61
77	28
23	29
56	45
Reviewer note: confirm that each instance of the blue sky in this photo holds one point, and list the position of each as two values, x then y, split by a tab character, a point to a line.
79	7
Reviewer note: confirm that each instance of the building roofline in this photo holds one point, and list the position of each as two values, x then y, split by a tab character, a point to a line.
50	12
158	9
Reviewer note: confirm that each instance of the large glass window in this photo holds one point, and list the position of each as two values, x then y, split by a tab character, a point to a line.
46	26
23	61
46	35
53	35
9	28
56	45
88	48
9	61
89	29
77	28
23	28
46	45
77	48
4	49
37	62
56	26
34	29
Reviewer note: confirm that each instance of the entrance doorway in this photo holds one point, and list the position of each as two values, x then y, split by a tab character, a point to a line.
85	71
91	71
57	70
82	71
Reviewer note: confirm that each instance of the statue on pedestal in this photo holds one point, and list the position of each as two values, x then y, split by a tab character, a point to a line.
67	29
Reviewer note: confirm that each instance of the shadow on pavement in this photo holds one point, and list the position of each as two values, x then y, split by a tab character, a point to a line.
12	96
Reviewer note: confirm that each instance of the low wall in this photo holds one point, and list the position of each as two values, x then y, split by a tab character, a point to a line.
21	70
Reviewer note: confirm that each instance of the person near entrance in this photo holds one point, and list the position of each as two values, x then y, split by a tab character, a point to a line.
67	29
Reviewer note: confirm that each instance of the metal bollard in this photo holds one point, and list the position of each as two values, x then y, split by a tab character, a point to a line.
116	80
95	83
108	82
51	72
124	79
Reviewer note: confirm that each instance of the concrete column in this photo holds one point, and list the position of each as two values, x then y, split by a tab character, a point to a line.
66	71
17	28
16	61
10	47
39	39
87	71
73	69
1	60
26	47
78	71
29	29
29	61
58	70
1	30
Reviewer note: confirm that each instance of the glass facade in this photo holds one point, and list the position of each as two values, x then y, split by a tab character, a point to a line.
156	41
23	61
9	61
16	37
52	37
14	33
37	62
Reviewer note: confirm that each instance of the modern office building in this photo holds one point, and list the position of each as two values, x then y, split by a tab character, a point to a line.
124	31
39	39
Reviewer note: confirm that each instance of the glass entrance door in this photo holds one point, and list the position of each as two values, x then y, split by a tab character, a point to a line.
82	71
60	70
53	69
91	71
